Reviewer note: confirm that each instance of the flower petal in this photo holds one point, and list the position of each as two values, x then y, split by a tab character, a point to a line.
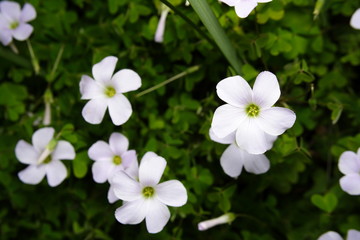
42	137
157	216
100	151
128	158
118	143
132	212
263	1
234	91
355	19
103	70
244	8
28	13
94	111
119	108
226	140
266	89
253	139
353	235
11	10
133	169
23	31
126	80
256	163
26	153
232	160
226	120
90	89
111	195
33	174
231	3
275	120
151	169
63	150
125	187
351	184
172	193
55	172
5	36
330	236
159	34
349	163
102	170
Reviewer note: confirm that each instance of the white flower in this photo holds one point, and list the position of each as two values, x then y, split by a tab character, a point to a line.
234	158
226	218
146	198
349	164
351	235
244	7
110	158
355	19
159	34
249	113
13	21
44	158
107	91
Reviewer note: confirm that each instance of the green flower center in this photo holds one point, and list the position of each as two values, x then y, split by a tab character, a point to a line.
110	91
148	192
117	160
47	160
14	25
252	110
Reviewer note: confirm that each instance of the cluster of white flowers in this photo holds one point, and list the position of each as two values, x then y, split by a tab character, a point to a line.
14	21
351	235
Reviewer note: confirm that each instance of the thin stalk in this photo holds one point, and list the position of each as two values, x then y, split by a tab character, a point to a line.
177	76
56	64
34	60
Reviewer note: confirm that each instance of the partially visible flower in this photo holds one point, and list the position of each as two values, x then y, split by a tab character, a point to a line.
159	34
13	21
244	7
249	112
43	158
331	235
349	164
146	198
106	91
226	218
355	19
234	158
111	157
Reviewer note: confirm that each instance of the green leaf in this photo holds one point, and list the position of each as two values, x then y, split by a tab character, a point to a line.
80	164
208	18
326	203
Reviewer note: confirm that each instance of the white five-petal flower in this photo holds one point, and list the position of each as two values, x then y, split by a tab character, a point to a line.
234	158
331	235
349	164
43	158
106	91
13	21
244	7
146	198
249	112
355	19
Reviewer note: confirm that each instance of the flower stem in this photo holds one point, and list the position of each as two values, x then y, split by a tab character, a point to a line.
177	76
14	48
34	60
56	64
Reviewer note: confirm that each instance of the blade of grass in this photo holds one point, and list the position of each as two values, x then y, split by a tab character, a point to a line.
12	57
208	18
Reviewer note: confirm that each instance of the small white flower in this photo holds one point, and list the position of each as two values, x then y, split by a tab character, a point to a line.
249	113
13	21
234	158
355	19
146	198
111	157
244	7
107	91
44	158
331	235
226	218
349	164
159	34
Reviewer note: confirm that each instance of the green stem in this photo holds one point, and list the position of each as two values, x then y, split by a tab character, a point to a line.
56	64
177	76
34	60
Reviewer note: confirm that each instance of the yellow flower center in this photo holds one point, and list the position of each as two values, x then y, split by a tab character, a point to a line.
117	160
110	91
252	110
148	192
14	25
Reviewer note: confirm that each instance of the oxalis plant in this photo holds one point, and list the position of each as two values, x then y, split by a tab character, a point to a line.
172	119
